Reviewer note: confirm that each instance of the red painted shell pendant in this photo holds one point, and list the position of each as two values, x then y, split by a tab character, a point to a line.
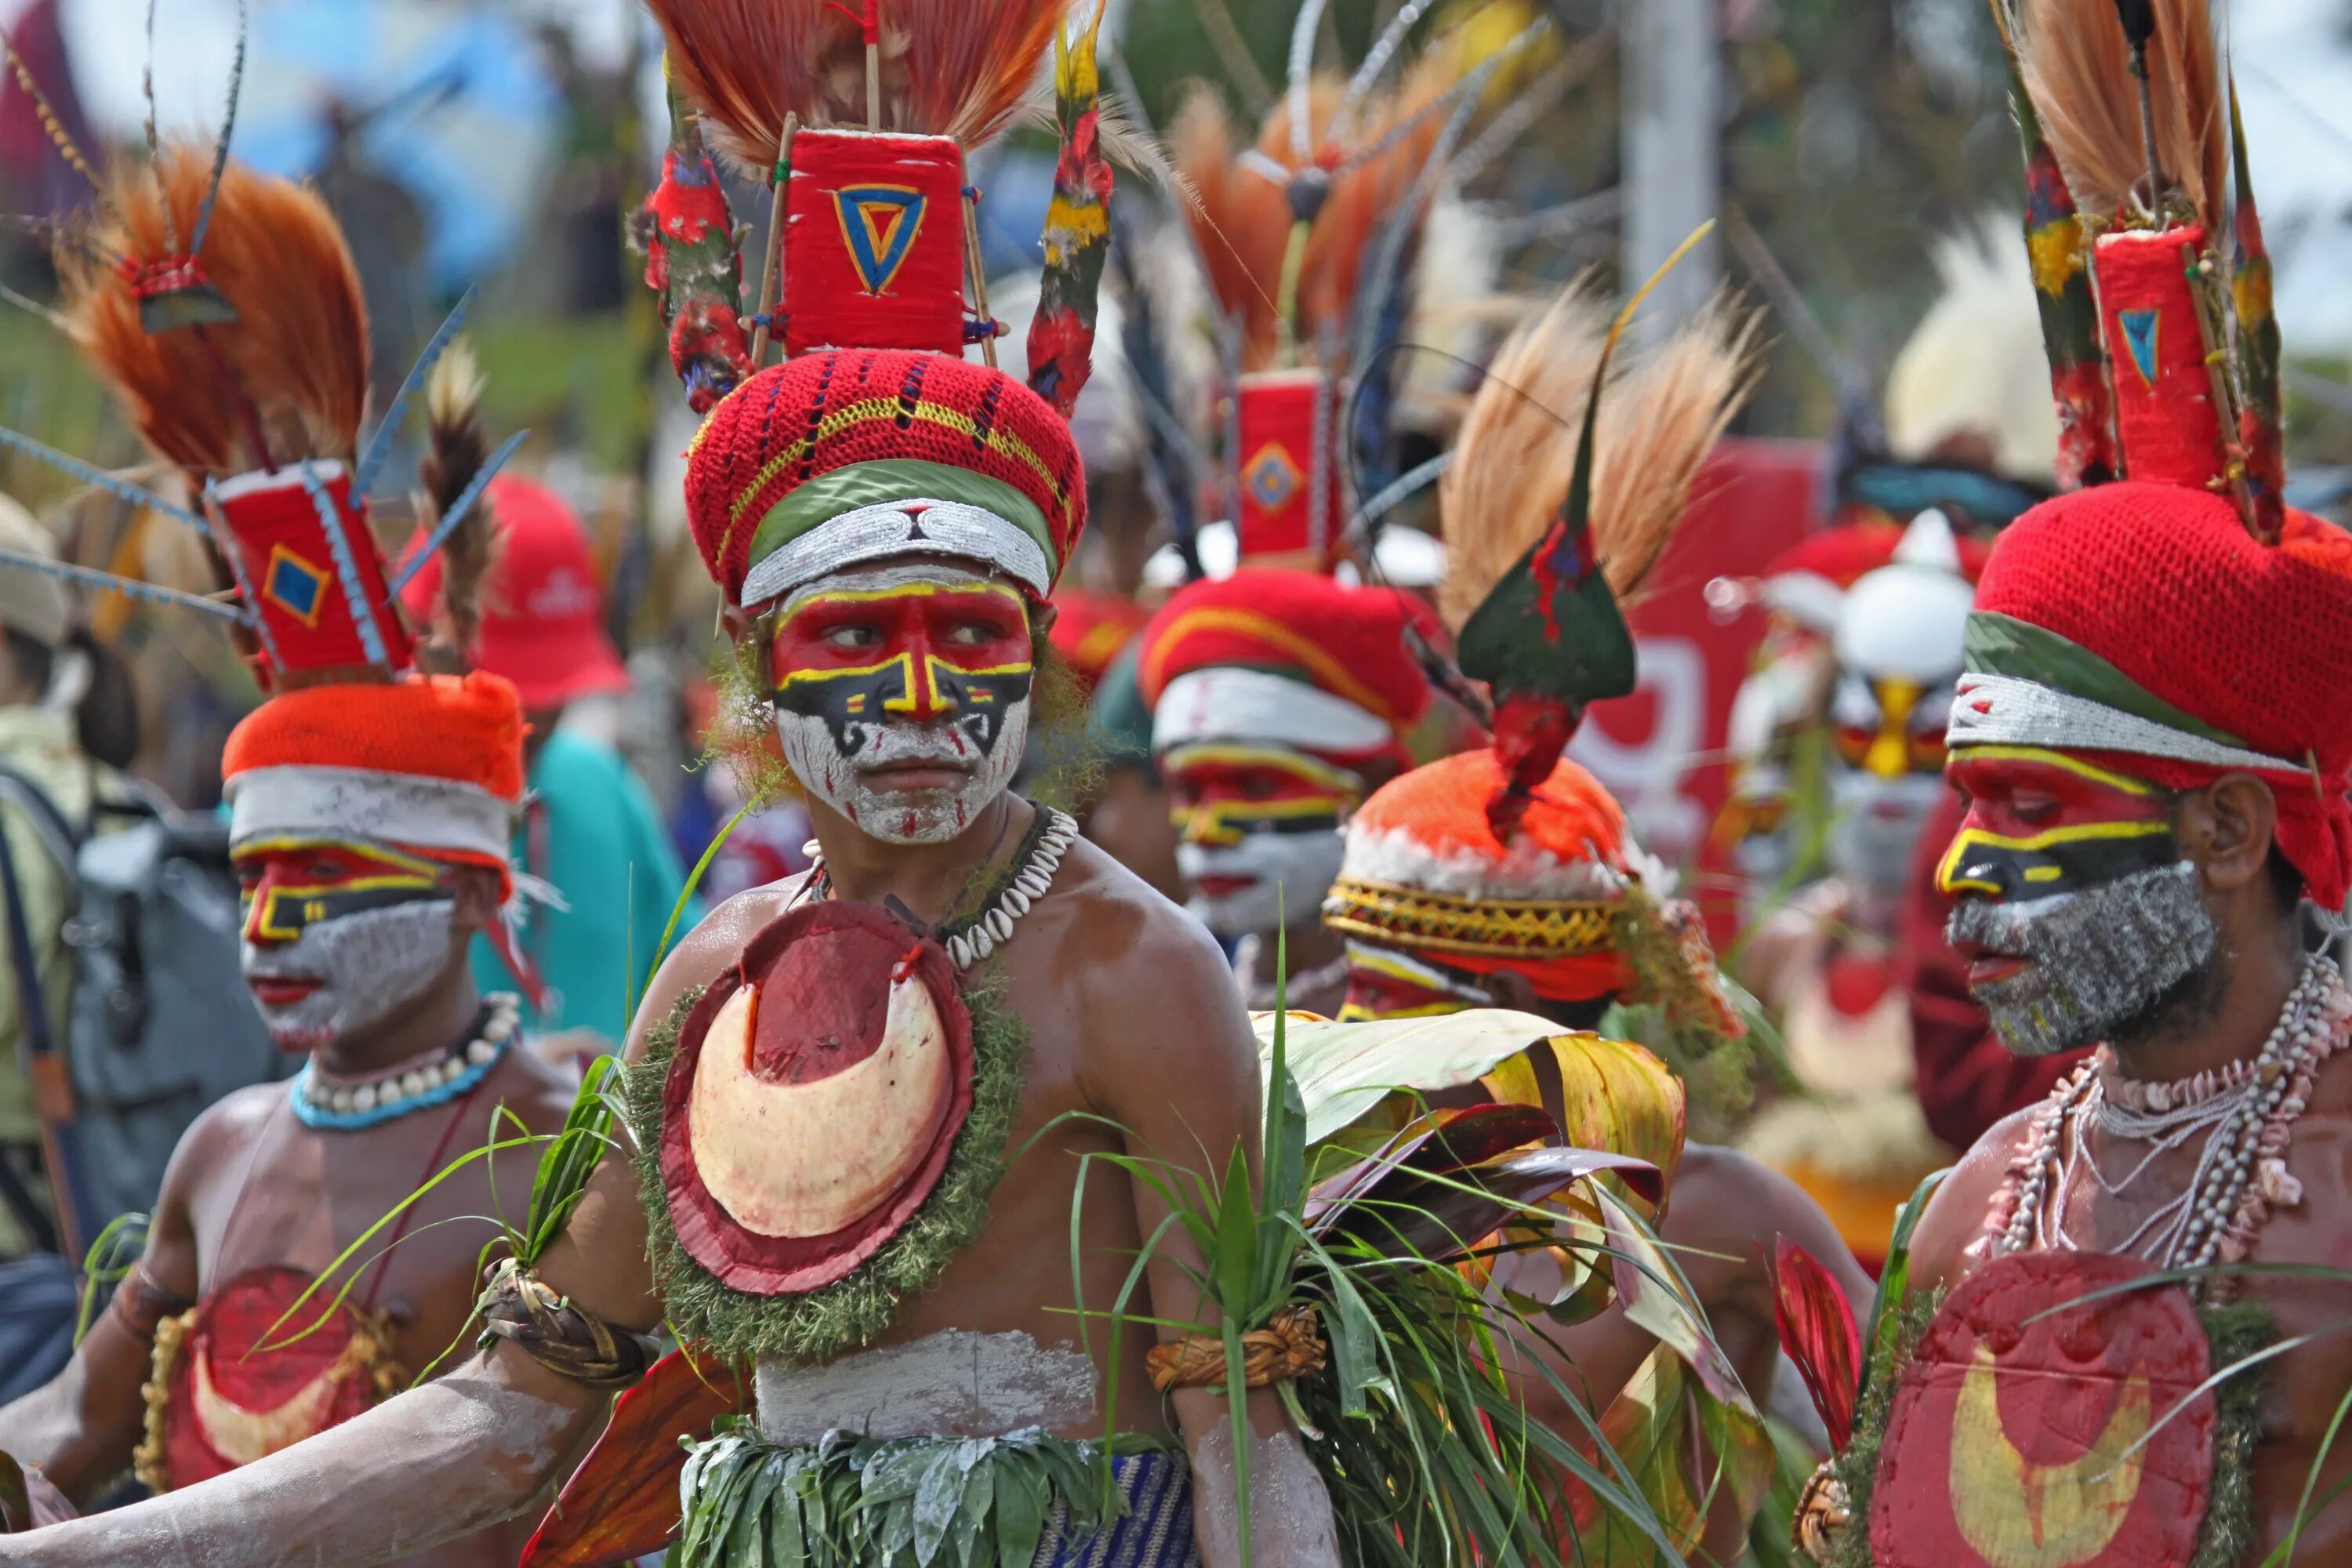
813	1099
2035	1429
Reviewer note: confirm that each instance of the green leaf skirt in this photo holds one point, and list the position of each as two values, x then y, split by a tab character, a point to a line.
1029	1499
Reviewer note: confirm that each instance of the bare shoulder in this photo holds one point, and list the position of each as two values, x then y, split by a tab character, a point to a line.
1956	1213
703	953
232	1121
1157	1005
1138	950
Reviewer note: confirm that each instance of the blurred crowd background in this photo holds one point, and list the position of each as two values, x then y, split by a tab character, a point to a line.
504	148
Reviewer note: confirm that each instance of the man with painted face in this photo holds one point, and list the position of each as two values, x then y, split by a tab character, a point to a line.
370	815
1279	700
875	1085
2151	730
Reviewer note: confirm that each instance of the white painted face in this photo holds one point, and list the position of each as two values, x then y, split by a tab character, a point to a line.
902	695
1247	888
344	975
339	934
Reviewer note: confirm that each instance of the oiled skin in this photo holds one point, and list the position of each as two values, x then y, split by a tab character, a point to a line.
250	1186
1133	1018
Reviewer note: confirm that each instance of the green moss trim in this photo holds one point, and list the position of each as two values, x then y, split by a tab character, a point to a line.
853	1311
1858	1466
2236	1332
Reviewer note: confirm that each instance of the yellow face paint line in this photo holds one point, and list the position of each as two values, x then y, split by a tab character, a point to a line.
2076	833
1296	763
416	865
2074	765
910	591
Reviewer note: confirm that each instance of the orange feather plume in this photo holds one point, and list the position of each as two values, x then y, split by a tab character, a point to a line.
2077	66
1242	219
948	67
297	354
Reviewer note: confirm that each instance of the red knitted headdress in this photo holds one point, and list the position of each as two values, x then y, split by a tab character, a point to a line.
1092	629
1322	667
2179	624
2142	625
851	456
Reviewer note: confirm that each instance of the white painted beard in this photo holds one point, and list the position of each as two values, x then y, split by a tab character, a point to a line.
366	966
1289	873
905	816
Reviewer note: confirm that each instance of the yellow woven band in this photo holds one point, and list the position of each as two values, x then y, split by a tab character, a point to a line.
1447	922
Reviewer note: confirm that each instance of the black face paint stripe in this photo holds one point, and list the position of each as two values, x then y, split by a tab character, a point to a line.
2018	872
852	702
287	913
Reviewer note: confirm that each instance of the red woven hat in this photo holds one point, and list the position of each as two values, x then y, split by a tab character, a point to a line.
2141	624
1559	899
835	459
542	612
1092	629
432	764
1325	640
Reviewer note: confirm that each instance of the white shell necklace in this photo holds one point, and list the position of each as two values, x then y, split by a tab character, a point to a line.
1049	837
436	1078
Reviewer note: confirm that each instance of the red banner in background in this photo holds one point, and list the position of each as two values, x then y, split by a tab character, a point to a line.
1661	750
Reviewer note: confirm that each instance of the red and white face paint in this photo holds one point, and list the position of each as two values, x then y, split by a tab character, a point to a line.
1259	832
902	695
339	934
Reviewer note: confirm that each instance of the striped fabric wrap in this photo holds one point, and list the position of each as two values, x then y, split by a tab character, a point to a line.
1155	1530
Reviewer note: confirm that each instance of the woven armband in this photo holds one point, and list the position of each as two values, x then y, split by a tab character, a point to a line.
573	1344
1288	1347
140	1304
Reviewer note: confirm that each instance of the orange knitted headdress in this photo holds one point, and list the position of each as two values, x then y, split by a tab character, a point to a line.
431	763
1565	903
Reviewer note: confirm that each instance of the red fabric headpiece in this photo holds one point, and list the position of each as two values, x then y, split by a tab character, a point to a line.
2166	584
809	416
465	729
1092	629
1347	641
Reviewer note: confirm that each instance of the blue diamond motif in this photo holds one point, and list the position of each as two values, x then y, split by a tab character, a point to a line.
295	585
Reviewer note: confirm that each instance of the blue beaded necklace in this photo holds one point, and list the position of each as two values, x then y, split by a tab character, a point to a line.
347	1108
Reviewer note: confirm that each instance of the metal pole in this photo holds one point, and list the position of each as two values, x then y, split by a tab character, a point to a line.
1672	71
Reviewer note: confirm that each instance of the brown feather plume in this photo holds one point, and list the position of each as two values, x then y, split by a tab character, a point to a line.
1242	218
297	354
456	444
2077	68
950	68
1661	415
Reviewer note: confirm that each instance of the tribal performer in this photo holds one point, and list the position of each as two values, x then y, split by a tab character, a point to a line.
865	1095
2151	730
370	815
1563	915
1279	700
